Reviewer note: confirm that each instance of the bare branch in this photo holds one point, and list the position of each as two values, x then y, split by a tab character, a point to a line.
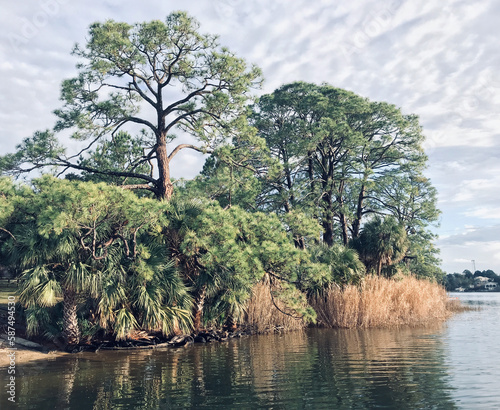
186	99
102	172
182	146
142	94
142	121
6	231
139	186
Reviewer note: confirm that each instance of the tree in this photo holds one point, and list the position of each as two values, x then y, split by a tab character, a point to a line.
411	199
288	122
223	253
307	128
93	245
165	77
343	157
382	243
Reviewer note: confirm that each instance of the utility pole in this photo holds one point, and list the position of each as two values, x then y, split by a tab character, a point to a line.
474	266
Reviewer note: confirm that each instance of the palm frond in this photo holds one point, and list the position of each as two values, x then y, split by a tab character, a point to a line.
124	323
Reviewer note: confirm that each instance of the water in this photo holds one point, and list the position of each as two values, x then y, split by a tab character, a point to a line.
448	366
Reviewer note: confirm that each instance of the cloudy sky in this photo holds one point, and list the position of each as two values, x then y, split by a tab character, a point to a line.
440	60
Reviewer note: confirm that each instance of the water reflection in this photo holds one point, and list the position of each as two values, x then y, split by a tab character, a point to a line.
319	368
392	369
471	353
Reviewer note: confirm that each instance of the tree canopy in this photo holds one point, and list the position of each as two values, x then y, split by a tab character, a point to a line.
153	80
94	245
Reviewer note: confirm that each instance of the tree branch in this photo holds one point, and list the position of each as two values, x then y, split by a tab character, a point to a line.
102	172
182	146
282	311
141	93
6	231
142	121
180	118
195	93
140	186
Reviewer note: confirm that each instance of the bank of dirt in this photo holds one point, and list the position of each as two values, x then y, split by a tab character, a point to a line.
25	355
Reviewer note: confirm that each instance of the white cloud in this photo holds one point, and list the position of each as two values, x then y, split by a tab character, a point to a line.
484	212
459	257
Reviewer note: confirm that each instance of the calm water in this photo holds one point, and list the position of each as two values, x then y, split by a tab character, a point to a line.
449	366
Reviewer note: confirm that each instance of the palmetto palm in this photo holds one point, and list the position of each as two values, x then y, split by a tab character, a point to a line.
342	264
382	242
96	247
51	275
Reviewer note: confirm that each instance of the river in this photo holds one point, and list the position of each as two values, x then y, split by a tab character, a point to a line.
452	365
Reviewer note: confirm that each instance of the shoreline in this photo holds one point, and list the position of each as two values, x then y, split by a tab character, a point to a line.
408	302
25	355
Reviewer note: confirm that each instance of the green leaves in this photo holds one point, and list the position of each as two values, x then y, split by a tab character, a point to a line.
342	159
339	264
38	151
382	244
226	252
98	242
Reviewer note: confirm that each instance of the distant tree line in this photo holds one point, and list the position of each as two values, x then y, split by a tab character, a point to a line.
465	280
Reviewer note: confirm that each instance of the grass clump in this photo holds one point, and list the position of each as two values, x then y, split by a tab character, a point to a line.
266	313
382	302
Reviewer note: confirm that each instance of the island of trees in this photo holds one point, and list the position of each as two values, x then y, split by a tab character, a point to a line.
305	192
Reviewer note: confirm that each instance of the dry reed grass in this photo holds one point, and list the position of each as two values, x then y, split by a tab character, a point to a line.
455	306
381	302
262	316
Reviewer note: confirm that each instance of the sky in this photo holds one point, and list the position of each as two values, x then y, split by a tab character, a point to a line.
439	60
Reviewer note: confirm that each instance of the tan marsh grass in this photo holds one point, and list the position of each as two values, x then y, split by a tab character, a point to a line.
262	316
382	302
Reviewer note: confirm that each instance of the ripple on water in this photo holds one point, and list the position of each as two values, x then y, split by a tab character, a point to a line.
447	366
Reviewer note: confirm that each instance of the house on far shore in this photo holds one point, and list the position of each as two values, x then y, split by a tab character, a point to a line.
481	282
490	285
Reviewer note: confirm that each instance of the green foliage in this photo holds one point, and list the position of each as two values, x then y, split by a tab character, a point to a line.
114	158
43	321
225	252
229	175
303	229
127	75
100	243
42	147
382	244
340	264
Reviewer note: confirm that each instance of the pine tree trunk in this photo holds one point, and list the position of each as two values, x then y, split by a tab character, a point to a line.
71	332
356	225
164	185
343	224
327	231
199	304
